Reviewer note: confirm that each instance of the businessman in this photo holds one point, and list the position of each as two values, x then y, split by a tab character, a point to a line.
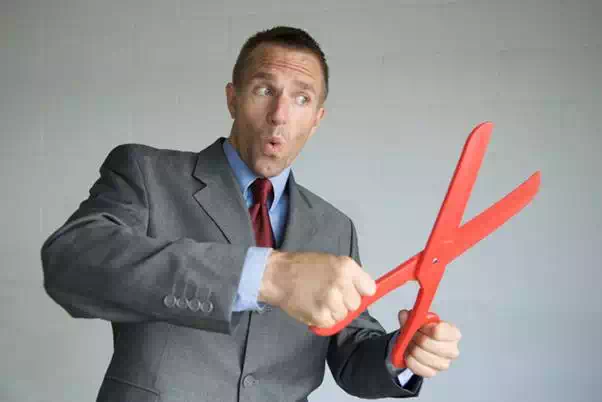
211	265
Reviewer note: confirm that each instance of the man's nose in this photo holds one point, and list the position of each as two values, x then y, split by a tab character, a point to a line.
279	113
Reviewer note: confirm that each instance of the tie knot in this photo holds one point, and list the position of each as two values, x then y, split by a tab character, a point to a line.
261	190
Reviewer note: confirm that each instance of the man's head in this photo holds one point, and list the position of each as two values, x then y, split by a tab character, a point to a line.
276	97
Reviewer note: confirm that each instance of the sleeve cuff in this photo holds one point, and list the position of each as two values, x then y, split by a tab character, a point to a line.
403	375
250	279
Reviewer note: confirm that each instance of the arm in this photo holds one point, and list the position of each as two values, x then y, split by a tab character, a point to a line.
101	263
358	356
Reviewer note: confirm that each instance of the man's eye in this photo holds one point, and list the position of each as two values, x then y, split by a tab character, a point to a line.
302	99
264	91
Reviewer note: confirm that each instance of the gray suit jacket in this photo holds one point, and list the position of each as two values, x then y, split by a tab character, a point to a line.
158	248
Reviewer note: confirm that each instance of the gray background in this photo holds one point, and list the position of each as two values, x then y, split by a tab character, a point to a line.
410	79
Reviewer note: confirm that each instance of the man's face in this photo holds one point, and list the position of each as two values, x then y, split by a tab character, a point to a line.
277	107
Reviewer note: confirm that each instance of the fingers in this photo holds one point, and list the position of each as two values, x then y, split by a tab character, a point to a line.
337	306
332	310
403	317
351	298
424	363
324	319
442	331
329	289
432	348
365	285
443	349
346	294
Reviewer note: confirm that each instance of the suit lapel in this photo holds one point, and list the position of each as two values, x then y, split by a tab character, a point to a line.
221	197
302	221
222	200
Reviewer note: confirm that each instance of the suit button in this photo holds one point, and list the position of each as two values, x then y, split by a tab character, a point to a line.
170	301
207	307
266	309
249	381
194	305
181	303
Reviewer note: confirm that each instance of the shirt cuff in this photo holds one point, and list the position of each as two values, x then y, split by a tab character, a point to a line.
250	279
403	375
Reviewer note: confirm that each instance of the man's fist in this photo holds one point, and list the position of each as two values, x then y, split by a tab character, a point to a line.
433	347
314	288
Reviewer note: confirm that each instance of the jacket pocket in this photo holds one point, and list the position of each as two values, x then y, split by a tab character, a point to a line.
115	389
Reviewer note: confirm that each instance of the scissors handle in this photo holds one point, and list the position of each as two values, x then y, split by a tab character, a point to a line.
419	315
393	279
406	334
428	279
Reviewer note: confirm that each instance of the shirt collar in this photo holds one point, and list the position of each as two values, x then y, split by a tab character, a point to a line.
245	176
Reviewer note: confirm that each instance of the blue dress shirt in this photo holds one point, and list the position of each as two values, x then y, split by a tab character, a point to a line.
256	257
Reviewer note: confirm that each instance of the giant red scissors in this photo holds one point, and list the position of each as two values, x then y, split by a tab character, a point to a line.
447	241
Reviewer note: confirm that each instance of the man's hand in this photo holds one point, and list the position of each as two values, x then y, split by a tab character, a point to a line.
433	347
314	288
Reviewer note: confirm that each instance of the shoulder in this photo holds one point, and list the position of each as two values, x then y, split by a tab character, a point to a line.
145	156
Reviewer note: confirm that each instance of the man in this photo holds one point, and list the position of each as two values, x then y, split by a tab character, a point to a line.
211	265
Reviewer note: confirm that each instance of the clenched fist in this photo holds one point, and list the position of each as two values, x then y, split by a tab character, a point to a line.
433	348
314	288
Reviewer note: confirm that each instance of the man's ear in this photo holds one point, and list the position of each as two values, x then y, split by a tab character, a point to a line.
319	117
231	99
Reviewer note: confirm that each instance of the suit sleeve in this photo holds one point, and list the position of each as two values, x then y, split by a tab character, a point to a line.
357	355
101	263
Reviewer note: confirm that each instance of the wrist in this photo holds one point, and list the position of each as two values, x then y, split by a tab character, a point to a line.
270	290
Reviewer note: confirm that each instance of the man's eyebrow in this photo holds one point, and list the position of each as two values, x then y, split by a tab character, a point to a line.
305	86
263	75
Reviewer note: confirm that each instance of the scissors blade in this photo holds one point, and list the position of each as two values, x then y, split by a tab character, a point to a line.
466	236
432	263
493	217
454	204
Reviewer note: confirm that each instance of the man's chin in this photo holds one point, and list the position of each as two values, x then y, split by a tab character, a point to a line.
269	169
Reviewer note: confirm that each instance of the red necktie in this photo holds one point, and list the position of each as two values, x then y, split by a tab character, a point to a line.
260	216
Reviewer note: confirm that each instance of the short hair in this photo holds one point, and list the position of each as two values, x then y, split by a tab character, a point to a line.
290	37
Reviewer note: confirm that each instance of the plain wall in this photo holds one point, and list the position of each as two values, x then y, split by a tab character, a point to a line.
409	80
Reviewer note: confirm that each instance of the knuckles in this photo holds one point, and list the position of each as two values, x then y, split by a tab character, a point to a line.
323	318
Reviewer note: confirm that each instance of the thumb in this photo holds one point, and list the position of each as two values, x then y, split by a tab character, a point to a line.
403	317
